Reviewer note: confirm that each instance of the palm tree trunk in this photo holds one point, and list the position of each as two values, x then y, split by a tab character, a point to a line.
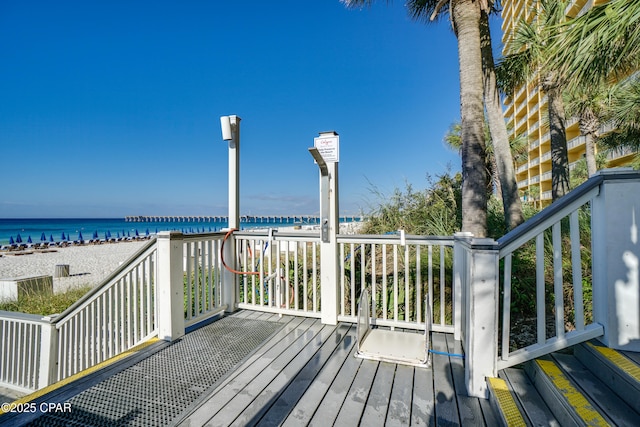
589	125
559	154
502	151
466	16
590	153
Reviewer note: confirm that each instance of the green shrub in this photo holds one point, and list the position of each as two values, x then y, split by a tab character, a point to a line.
45	303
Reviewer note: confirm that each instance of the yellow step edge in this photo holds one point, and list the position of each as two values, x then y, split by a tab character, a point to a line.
619	360
576	400
77	376
506	403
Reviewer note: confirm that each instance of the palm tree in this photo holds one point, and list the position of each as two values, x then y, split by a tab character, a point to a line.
528	58
465	15
591	105
602	44
508	187
624	113
453	140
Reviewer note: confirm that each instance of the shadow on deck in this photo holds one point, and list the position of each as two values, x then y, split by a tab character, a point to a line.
260	369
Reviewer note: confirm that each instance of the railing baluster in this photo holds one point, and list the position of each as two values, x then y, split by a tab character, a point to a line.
443	299
384	281
576	264
395	282
430	278
418	285
363	276
506	310
407	305
305	305
540	288
373	280
557	280
352	279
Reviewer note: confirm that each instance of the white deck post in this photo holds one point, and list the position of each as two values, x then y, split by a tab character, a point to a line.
229	279
170	286
615	259
48	354
460	267
481	315
326	152
329	267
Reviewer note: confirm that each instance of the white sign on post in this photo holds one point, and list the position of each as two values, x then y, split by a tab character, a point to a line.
328	147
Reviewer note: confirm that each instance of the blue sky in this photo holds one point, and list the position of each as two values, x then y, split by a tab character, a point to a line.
112	108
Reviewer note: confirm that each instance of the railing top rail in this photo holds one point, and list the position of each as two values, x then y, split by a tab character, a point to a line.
279	234
395	239
24	317
96	289
203	236
551	214
561	208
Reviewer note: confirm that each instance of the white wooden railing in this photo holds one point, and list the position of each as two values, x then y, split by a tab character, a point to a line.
469	284
402	271
21	347
202	277
552	239
112	318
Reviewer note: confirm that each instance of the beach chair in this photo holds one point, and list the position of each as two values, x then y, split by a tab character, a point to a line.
404	348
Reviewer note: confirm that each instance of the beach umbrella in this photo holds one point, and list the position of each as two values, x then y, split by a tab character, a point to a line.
80	239
128	234
43	237
108	233
51	237
95	234
137	234
11	241
18	238
63	238
105	236
29	239
146	232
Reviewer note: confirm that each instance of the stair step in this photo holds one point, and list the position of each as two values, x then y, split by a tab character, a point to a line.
615	369
603	397
504	403
585	385
532	406
565	399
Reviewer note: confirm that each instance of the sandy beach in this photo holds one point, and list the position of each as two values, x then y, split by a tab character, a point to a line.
88	264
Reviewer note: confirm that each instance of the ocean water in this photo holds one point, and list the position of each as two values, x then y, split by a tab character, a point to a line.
54	228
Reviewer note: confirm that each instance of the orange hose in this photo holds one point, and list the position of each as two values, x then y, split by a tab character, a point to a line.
256	273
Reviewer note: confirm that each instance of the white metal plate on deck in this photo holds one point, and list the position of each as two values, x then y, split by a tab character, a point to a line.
395	347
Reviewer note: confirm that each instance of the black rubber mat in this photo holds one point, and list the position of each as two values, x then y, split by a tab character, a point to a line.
157	389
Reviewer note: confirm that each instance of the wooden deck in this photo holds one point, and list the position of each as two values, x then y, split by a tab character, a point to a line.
306	374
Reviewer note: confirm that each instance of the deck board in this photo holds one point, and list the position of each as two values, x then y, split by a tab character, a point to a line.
327	411
375	411
356	398
304	410
307	374
285	403
468	407
446	403
399	413
423	405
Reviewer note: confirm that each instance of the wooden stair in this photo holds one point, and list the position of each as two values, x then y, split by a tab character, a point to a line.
585	385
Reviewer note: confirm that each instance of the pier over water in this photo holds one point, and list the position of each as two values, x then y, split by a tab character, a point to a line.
257	219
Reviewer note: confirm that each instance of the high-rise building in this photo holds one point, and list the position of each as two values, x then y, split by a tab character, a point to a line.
526	114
